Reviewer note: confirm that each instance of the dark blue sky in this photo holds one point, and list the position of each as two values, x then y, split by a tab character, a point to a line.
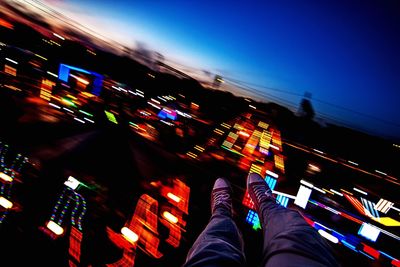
345	53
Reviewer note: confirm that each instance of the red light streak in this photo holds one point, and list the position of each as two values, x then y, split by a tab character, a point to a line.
75	239
6	24
371	251
356	203
144	224
175	230
395	263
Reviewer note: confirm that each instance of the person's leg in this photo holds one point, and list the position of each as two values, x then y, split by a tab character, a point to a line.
220	243
288	239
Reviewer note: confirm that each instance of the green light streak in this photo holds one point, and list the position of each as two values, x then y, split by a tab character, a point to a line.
68	102
86	113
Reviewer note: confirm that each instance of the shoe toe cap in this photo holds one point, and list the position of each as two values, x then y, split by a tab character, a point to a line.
254	177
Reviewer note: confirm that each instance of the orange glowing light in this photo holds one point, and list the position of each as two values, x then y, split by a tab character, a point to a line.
179	190
10	70
144	223
87	95
6	24
174	237
79	79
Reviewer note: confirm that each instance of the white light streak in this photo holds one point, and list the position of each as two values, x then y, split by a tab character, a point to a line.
70	111
352	162
383	173
283	194
155	101
360	191
167	123
81	121
319	190
318	151
54	105
272	174
154	105
274	147
336	192
58	36
328	236
79	79
12	61
89	120
306	183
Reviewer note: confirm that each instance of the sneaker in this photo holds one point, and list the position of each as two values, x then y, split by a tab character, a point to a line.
258	190
221	195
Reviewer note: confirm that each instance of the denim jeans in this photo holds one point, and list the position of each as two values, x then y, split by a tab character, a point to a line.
288	241
220	243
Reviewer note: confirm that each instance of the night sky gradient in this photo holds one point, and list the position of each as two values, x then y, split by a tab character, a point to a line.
346	53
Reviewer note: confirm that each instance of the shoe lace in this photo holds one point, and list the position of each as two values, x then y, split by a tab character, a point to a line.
260	191
221	197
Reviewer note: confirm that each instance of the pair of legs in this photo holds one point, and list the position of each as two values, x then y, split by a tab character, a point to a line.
288	239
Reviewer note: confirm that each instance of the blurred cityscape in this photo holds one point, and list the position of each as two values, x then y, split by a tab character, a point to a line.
108	157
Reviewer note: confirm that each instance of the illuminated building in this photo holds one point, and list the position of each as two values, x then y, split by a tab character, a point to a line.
167	113
141	230
8	173
254	146
46	89
64	74
69	201
10	70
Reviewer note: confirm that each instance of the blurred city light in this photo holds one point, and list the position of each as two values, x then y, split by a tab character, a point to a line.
368	231
302	196
55	228
111	117
129	235
171	218
72	183
5	203
173	197
328	236
5	177
11	60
